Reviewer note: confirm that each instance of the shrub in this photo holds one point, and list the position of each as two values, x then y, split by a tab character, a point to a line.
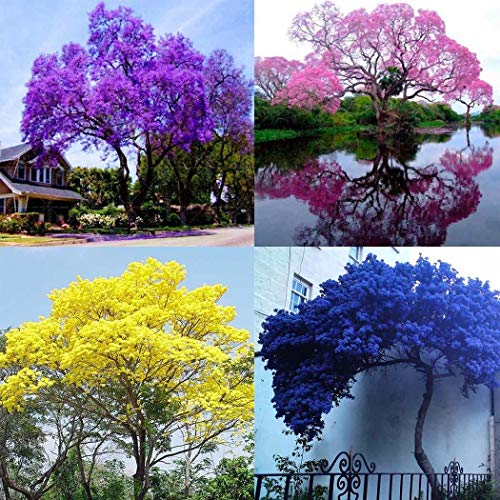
107	218
9	224
173	220
154	215
23	222
96	220
202	215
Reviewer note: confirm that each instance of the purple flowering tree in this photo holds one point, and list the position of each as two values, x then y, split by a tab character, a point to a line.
420	315
229	99
127	93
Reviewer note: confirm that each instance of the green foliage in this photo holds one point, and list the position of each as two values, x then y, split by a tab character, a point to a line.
173	220
233	481
280	116
480	490
392	80
99	186
432	124
490	116
22	222
275	487
155	215
171	484
108	481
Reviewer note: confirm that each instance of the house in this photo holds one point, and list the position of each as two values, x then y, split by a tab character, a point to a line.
380	421
25	187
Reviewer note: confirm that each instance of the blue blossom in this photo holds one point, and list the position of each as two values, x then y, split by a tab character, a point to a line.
375	315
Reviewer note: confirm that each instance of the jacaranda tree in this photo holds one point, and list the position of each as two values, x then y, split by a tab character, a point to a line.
420	315
389	52
159	367
229	99
478	93
128	93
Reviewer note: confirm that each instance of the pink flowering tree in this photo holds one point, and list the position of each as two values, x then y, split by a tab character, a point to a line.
310	87
272	74
128	93
389	52
478	93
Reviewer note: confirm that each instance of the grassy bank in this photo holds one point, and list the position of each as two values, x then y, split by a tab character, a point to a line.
269	135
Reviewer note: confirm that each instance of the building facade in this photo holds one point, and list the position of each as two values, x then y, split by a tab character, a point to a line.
380	421
26	187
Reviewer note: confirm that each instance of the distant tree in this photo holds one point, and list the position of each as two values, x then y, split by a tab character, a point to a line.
422	315
98	186
233	480
478	93
272	74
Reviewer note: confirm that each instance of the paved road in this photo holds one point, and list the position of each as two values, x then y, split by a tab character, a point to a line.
221	237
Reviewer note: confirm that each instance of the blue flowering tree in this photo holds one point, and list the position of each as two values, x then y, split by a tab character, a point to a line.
420	315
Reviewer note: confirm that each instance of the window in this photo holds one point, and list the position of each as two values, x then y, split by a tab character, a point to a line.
21	171
301	291
2	205
356	254
34	172
59	177
47	175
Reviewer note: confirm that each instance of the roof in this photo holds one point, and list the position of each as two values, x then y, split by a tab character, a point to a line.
48	192
14	152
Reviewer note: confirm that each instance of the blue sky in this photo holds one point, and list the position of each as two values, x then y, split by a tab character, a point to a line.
29	274
30	27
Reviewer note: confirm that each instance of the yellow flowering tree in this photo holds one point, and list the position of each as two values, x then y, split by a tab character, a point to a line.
142	354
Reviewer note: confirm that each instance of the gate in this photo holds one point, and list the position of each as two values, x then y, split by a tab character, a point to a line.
351	477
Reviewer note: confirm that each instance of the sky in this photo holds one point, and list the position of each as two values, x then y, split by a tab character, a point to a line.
32	27
478	262
29	274
474	25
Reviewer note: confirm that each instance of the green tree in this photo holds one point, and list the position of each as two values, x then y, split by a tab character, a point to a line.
98	186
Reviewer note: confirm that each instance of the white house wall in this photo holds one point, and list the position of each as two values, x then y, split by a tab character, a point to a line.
379	422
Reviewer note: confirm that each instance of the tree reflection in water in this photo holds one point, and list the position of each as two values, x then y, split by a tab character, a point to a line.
393	204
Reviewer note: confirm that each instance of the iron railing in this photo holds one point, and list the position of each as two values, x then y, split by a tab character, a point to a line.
350	477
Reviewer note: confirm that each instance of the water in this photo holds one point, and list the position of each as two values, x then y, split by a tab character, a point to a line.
351	191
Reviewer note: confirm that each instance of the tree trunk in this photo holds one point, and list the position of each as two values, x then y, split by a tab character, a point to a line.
467	118
420	455
145	177
383	118
85	481
141	476
187	474
123	184
6	490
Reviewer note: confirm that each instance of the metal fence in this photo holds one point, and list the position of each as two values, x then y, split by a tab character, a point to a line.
350	477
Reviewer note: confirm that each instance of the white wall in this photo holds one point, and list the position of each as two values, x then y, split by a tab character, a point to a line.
379	422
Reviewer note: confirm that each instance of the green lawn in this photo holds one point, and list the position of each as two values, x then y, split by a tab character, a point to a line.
24	240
